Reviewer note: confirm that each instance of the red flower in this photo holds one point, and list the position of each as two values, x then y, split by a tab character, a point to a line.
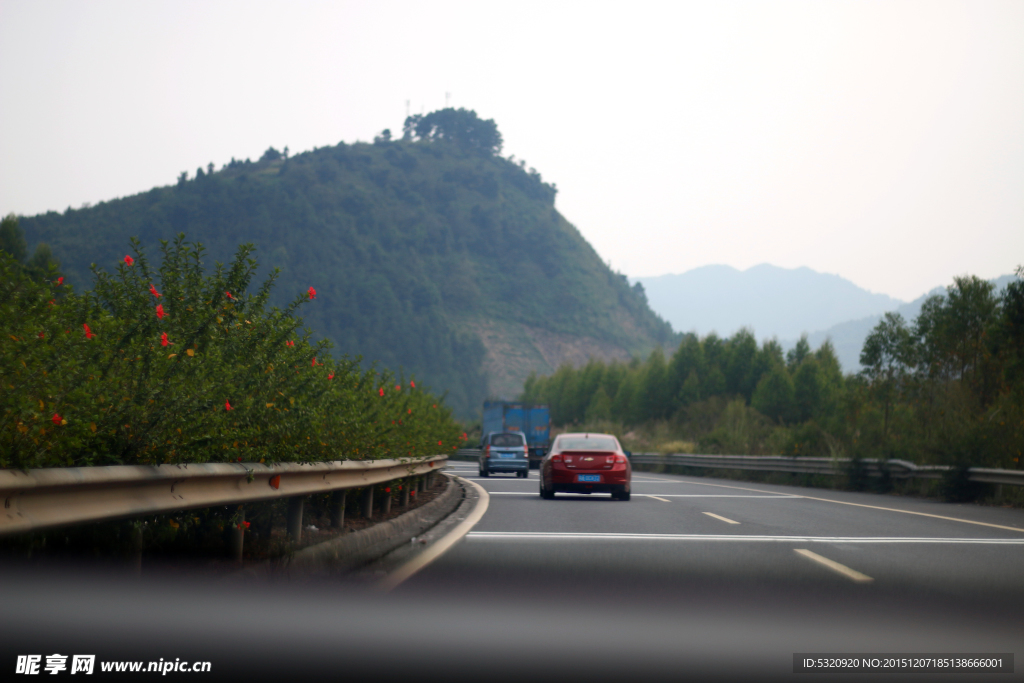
129	260
387	490
330	376
463	436
88	332
228	295
382	391
56	419
412	384
53	301
312	293
227	405
152	290
398	388
163	340
246	524
160	311
438	443
410	411
289	343
60	281
314	362
42	334
435	405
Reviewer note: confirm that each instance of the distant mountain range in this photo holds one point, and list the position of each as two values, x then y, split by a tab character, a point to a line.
772	301
777	302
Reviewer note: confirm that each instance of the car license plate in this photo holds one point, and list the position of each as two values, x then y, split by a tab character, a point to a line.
588	477
506	455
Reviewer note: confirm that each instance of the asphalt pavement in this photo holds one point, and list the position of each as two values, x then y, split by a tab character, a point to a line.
726	577
693	579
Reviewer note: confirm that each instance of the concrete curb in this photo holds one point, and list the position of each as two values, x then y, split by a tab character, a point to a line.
405	561
347	553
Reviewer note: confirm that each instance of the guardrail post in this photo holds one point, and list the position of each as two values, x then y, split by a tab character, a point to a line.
295	518
137	544
366	504
338	509
238	536
385	505
405	493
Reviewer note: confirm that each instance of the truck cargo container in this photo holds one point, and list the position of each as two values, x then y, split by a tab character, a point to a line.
534	421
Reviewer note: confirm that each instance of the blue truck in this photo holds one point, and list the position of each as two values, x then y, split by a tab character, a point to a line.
534	421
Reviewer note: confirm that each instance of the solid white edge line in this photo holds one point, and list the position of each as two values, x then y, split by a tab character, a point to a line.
843	502
851	574
554	535
392	580
649	495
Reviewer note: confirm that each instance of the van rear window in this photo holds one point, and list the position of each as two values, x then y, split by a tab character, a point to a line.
507	440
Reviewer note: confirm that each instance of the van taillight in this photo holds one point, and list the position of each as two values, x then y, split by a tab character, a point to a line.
487	451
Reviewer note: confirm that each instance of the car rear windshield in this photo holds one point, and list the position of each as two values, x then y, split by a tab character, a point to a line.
507	440
589	443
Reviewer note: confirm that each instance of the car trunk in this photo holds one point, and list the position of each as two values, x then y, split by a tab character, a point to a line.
588	461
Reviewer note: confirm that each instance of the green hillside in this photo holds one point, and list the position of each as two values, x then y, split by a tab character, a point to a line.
432	254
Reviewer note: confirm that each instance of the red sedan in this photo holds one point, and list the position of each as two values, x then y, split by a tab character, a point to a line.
586	463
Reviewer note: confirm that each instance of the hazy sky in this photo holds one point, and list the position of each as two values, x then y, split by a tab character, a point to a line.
881	141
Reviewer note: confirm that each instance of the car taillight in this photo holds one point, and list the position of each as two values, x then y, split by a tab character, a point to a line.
556	458
487	451
620	459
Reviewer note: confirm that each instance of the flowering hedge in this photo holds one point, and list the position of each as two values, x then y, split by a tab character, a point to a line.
177	365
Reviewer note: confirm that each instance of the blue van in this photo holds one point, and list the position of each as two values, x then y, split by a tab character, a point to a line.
504	452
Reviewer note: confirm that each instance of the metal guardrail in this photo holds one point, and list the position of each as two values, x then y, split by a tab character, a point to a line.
897	469
467	454
46	498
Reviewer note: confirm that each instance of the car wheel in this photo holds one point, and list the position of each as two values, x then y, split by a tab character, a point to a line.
544	493
484	473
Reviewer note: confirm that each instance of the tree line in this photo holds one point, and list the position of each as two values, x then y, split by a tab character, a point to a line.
945	388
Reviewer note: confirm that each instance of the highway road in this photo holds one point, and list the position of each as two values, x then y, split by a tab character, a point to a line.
728	577
693	579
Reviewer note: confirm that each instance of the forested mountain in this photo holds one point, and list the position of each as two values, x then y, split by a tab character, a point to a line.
432	254
769	300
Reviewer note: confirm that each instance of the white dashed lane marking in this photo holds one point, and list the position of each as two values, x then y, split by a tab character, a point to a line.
724	519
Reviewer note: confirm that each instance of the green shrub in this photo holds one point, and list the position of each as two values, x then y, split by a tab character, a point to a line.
176	365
